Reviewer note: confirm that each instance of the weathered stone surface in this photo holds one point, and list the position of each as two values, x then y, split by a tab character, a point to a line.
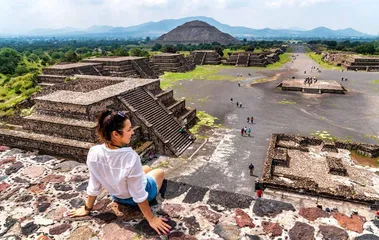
78	178
33	171
43	158
37	188
105	217
102	204
56	230
332	232
271	228
66	166
355	223
24	198
77	202
195	194
9	222
10	237
367	237
112	231
8	160
252	237
4	186
126	213
271	208
81	233
3	178
192	224
211	216
144	227
227	232
228	200
312	214
3	148
180	236
56	214
14	168
302	231
66	196
20	180
376	223
53	178
243	219
62	187
41	221
29	228
82	187
175	189
174	210
43	206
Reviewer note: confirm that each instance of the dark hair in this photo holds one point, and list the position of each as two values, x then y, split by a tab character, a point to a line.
108	122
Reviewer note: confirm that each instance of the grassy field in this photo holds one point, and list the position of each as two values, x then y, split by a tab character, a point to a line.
205	72
317	58
284	58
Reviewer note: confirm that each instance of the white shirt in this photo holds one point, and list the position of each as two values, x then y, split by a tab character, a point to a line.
119	171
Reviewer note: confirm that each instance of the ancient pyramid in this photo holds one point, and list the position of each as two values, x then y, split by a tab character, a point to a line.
196	32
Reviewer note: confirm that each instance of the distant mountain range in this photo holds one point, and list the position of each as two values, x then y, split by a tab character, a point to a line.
156	29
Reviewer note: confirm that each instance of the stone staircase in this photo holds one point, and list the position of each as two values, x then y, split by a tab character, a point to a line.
198	59
159	117
242	60
143	68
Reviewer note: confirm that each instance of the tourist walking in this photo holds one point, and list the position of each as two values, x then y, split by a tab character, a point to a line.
248	132
118	169
248	120
240	105
259	193
251	167
245	130
239	84
237	104
231	100
242	131
252	120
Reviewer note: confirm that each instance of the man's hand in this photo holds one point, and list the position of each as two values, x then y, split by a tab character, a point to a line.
159	225
80	212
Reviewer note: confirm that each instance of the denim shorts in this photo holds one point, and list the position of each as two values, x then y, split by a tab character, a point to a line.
151	189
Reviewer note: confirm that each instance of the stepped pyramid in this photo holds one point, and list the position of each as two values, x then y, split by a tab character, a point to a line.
196	32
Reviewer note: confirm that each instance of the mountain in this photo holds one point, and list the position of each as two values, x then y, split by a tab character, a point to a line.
155	29
195	32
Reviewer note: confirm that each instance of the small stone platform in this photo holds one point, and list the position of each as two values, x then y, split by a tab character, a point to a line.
172	62
310	168
321	86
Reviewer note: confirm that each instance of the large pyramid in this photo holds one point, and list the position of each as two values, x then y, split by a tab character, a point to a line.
196	32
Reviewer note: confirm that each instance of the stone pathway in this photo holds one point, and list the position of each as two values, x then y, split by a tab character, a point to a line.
37	190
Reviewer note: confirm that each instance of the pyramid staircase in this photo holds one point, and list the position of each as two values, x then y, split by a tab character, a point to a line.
160	119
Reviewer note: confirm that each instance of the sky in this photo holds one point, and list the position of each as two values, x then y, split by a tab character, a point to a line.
20	16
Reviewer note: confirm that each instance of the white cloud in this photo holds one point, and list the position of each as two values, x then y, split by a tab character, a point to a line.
280	3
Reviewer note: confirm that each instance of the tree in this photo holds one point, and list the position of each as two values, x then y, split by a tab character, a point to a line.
71	56
33	58
9	59
121	52
168	49
249	48
148	39
156	47
137	52
219	51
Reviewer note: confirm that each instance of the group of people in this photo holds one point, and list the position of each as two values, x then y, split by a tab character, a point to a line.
245	131
250	120
342	79
310	80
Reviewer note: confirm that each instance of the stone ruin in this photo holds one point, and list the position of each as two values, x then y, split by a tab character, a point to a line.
247	59
350	61
309	165
321	86
205	57
64	119
172	62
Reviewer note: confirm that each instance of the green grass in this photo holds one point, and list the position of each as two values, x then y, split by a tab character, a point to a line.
205	72
375	81
14	91
289	50
284	58
284	101
227	50
152	53
205	120
186	53
318	59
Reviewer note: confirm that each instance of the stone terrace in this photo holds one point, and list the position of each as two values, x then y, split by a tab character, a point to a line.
203	57
172	62
37	191
319	87
321	168
64	121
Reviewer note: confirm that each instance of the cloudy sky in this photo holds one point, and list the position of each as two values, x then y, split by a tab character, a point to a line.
25	15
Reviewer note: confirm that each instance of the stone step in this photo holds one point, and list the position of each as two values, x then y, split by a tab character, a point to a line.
46	78
60	126
72	149
55	108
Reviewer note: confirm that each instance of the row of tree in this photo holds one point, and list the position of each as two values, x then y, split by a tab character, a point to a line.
349	46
